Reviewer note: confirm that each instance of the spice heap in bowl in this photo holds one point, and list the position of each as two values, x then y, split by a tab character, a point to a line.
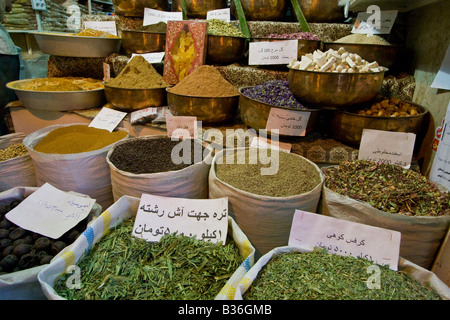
137	86
205	94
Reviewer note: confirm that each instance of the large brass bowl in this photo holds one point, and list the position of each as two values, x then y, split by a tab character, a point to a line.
262	10
135	8
322	10
386	56
135	41
223	50
255	113
304	46
197	9
334	89
206	109
135	99
347	126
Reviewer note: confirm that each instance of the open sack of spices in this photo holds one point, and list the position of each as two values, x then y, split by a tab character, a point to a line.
160	166
264	187
24	253
291	273
390	197
16	167
113	264
72	157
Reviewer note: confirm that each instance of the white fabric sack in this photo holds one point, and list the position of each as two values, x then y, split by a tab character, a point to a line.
425	277
265	220
190	182
85	172
24	285
123	209
421	237
18	171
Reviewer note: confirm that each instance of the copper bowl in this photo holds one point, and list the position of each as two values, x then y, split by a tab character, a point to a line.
135	8
135	99
304	45
386	55
322	10
262	10
255	113
136	41
197	9
334	89
206	109
347	126
223	50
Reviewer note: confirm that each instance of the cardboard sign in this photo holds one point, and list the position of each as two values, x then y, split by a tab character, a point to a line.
105	26
50	211
272	52
287	122
152	57
107	119
375	22
152	16
207	219
182	127
220	14
346	238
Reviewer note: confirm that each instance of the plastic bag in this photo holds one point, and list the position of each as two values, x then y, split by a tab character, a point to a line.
123	209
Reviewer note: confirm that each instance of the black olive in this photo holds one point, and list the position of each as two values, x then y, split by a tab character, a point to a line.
8	250
45	259
57	246
4	233
5	224
22	249
71	236
9	262
18	233
5	243
42	244
28	260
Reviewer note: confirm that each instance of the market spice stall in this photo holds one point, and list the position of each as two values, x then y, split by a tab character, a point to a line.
162	111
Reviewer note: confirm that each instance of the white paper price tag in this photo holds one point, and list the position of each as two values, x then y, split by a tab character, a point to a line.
387	147
220	14
182	127
272	52
346	238
107	119
152	16
287	122
376	22
260	142
105	26
50	211
152	57
157	216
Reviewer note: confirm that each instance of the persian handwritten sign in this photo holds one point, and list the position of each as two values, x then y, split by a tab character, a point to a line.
207	219
375	21
105	26
440	169
346	238
272	52
151	57
260	142
182	127
152	16
287	122
221	14
387	147
50	211
107	119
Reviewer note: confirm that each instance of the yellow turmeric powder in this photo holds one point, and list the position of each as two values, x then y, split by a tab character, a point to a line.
77	138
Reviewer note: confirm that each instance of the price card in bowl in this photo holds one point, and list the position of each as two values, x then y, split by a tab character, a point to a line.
272	52
287	122
107	119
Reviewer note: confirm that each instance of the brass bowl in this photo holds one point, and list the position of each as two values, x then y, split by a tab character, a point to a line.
135	8
262	10
136	41
322	10
347	126
135	99
255	113
197	9
223	50
304	45
386	56
334	89
206	109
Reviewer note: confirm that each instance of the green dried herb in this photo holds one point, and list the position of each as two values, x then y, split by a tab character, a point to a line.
120	266
318	275
389	188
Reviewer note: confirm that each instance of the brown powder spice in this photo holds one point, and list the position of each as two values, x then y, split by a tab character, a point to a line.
205	81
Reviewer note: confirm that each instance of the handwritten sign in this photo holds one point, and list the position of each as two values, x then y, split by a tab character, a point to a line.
207	219
182	127
376	22
105	26
221	14
387	147
152	16
260	142
152	57
50	211
346	238
287	122
272	52
107	119
440	169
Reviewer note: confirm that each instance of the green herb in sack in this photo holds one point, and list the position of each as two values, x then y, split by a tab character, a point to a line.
319	275
120	266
